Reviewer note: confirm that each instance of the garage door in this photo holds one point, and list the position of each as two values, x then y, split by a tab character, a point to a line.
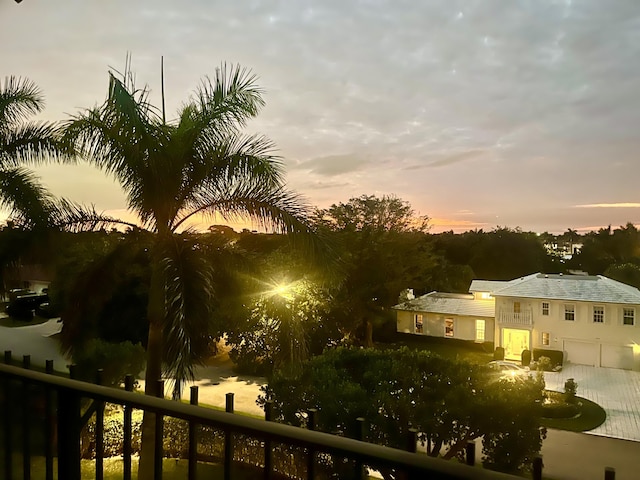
617	356
581	353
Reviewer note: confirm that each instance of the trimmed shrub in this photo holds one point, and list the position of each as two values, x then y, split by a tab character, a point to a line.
560	410
556	356
570	390
498	353
526	358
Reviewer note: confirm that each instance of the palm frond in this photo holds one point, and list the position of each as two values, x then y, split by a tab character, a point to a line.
29	203
33	143
19	99
73	217
232	97
188	281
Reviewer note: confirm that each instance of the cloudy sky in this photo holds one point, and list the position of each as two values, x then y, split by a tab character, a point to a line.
479	112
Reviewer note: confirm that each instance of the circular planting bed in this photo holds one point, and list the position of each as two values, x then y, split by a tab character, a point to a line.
581	415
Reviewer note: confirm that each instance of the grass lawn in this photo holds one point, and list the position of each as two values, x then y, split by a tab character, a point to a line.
172	469
591	416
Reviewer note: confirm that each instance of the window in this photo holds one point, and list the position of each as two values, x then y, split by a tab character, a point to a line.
479	330
570	312
545	309
516	307
418	322
545	338
448	327
628	316
598	314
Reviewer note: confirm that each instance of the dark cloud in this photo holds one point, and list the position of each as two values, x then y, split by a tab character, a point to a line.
332	165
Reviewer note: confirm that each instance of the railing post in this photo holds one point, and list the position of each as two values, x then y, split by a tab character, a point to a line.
412	440
26	423
268	458
470	453
158	445
312	421
537	468
68	434
99	430
609	473
193	437
126	440
228	439
48	425
361	434
8	407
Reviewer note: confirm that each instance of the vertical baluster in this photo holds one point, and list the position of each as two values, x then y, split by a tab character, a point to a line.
537	468
69	432
193	438
361	434
228	440
26	424
99	430
158	451
268	457
8	437
48	425
470	455
312	420
126	447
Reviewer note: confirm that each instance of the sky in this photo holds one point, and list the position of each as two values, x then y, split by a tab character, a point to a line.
480	113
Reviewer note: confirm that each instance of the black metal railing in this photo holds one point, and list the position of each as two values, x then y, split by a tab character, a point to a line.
65	407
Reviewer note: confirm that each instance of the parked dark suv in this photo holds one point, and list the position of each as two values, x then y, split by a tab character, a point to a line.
23	305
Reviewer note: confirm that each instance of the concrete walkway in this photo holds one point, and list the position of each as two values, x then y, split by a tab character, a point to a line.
616	391
576	456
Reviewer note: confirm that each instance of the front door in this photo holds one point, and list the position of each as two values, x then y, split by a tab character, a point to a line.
514	341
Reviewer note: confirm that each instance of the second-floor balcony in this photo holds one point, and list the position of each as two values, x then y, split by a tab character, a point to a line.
524	317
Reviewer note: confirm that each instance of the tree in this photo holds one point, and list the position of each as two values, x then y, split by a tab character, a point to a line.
383	249
628	273
449	402
200	163
23	142
287	317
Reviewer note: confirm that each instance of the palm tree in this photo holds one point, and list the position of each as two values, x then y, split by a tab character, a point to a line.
22	142
170	171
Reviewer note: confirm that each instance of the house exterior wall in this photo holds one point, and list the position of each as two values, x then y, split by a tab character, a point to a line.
464	327
597	340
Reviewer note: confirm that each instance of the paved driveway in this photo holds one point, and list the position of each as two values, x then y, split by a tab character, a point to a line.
617	391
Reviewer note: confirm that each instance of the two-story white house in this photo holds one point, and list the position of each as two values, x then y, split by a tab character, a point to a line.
592	319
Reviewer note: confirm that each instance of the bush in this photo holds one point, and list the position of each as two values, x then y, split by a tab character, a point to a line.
498	354
560	410
555	356
544	364
526	358
115	359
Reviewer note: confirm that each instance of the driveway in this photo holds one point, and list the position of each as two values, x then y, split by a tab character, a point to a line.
617	391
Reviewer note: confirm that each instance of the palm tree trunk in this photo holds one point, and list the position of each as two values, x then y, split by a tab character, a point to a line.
155	314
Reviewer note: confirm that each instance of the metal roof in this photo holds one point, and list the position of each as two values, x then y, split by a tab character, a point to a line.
570	287
451	304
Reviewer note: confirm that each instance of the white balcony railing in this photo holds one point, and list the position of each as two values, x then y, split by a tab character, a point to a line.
516	318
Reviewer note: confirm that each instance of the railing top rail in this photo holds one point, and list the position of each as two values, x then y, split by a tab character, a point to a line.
375	454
